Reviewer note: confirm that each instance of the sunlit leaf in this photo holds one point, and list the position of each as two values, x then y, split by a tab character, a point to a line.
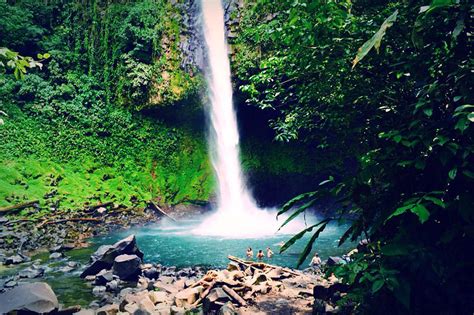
376	40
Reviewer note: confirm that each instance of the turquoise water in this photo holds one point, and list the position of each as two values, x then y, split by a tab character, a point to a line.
175	245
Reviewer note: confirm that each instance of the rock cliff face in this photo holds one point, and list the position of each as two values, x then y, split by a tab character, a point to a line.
191	39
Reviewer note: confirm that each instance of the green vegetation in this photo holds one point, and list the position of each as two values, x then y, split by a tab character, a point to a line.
71	136
384	91
76	131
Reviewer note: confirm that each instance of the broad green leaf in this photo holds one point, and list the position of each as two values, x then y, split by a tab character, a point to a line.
418	209
377	285
452	173
376	40
402	292
421	211
470	117
463	107
287	206
468	173
436	201
397	249
309	246
292	240
346	235
297	212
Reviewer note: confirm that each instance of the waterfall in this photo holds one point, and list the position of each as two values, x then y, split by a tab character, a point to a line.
237	214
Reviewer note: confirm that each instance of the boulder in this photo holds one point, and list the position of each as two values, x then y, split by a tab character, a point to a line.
151	273
103	277
162	309
158	297
105	255
13	260
214	300
334	260
31	273
110	309
187	296
127	267
233	266
33	297
176	310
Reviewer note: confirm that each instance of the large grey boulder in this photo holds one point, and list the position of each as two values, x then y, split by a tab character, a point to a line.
127	267
34	297
334	260
105	255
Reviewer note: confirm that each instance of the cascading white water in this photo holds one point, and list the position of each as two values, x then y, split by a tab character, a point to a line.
237	214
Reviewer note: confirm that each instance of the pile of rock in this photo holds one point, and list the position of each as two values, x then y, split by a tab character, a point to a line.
169	291
122	259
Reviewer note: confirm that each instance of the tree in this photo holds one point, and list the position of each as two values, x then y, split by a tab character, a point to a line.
396	130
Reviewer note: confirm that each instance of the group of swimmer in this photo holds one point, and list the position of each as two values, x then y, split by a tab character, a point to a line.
315	261
260	254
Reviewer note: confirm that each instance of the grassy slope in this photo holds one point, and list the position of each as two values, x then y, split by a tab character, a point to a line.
148	161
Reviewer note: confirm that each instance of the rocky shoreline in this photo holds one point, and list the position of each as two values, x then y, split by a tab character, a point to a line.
122	284
60	231
119	281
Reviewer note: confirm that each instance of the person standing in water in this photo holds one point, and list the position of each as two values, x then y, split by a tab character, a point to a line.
269	252
260	255
249	253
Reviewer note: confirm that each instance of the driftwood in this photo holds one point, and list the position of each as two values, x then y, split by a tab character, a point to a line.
204	293
66	220
234	295
162	212
20	221
261	265
18	207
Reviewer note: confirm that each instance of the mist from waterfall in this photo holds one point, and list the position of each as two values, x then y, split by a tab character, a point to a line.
237	214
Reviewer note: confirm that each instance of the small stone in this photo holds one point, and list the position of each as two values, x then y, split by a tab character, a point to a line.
72	264
151	273
112	286
101	210
103	277
10	284
56	255
99	290
31	273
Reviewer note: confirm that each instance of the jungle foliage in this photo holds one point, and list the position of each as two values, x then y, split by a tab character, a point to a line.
384	90
71	134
